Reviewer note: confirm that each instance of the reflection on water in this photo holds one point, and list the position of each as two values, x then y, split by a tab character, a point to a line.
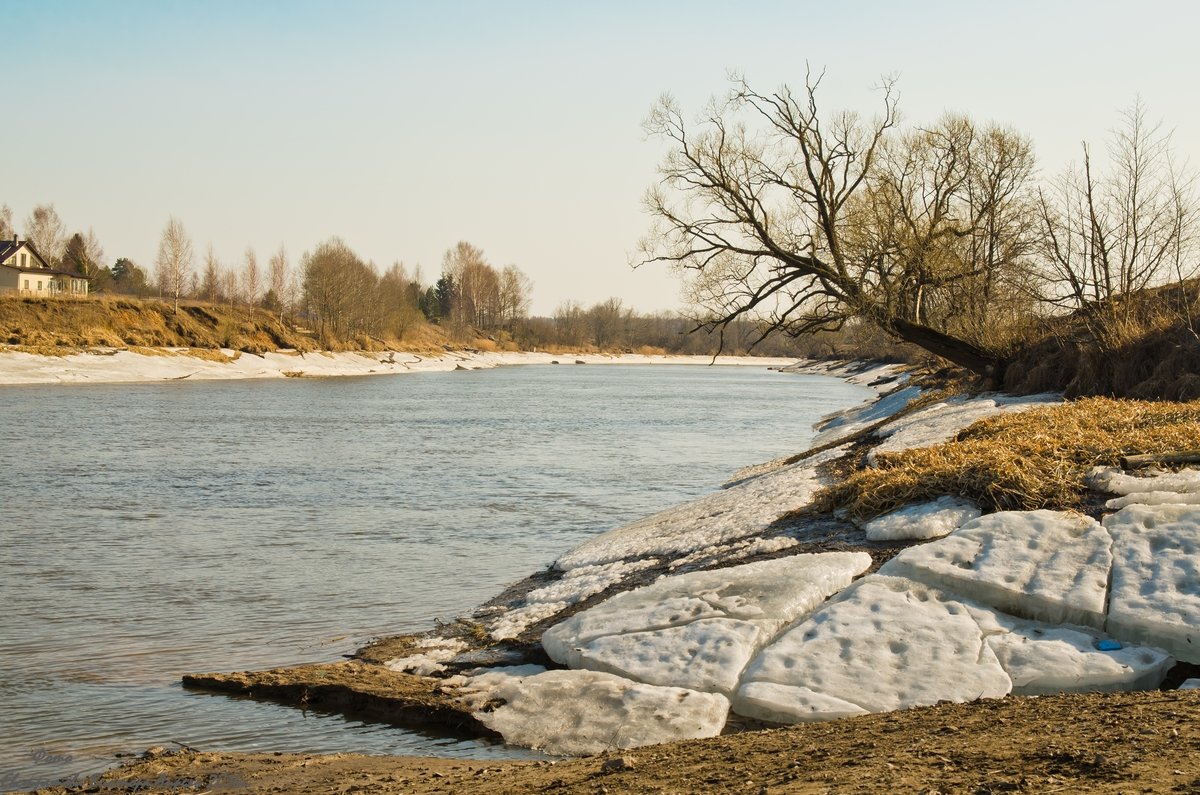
153	530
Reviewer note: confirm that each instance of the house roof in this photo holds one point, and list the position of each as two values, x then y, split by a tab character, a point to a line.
10	247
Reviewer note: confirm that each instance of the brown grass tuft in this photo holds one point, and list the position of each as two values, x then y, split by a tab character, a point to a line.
1020	461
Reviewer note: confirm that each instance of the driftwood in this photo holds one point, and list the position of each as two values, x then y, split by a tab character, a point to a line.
1139	461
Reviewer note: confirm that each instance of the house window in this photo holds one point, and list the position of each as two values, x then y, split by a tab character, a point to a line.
24	259
26	284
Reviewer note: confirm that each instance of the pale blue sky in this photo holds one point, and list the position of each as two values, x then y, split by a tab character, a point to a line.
404	127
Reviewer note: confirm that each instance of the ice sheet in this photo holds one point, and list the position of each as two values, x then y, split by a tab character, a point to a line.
851	421
923	520
719	518
1044	658
1042	565
885	643
1155	597
585	712
763	597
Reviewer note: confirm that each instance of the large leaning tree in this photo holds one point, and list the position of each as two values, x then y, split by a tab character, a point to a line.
804	221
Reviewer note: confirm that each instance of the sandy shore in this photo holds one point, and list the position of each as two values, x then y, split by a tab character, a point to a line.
176	364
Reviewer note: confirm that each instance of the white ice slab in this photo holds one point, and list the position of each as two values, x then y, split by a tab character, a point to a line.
771	593
706	655
885	643
1153	498
1117	481
1042	565
585	712
941	422
1190	684
722	517
778	703
762	597
1045	658
1155	597
923	520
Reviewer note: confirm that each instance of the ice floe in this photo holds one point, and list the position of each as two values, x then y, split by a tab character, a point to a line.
586	712
699	630
722	517
1045	658
1155	596
922	520
884	643
1044	565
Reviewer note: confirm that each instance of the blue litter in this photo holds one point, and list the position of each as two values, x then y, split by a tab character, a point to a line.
1108	645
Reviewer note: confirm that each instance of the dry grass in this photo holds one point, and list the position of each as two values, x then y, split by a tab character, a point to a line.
1021	461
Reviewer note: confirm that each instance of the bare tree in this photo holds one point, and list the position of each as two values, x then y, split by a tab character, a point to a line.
46	231
1107	235
277	277
6	223
514	298
251	281
174	261
229	282
94	253
570	324
476	301
804	220
210	283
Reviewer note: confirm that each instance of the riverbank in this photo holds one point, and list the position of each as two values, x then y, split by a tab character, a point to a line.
140	365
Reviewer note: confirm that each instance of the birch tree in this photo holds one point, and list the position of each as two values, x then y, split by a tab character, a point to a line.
250	281
174	261
46	231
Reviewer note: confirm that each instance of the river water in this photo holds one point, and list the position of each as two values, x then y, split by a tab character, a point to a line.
151	530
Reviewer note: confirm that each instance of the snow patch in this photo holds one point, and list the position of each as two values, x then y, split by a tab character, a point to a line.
923	520
427	663
1043	565
941	422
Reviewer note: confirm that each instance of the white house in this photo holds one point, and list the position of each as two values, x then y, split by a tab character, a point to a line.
24	271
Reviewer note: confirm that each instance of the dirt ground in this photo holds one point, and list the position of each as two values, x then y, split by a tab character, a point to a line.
1112	743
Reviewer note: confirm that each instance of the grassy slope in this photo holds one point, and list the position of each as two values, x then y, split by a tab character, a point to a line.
55	326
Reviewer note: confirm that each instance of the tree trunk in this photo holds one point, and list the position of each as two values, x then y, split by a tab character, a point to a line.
952	349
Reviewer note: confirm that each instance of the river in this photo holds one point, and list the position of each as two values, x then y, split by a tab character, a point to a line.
152	530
